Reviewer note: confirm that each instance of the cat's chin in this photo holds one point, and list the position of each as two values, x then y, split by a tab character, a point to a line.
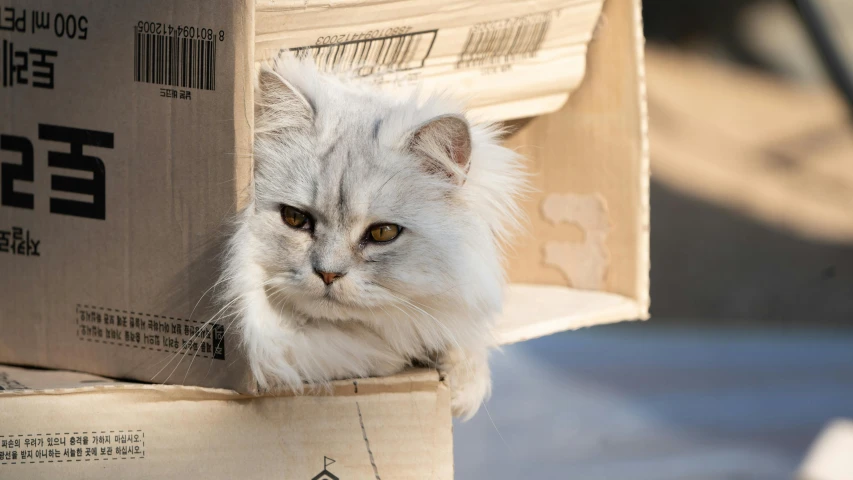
327	307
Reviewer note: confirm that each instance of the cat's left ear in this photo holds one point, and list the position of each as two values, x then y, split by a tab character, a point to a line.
281	103
444	143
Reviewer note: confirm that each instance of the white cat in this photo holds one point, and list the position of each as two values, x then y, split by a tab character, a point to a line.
373	236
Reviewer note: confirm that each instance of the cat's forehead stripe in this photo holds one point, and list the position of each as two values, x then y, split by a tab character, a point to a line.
315	189
376	125
323	158
343	211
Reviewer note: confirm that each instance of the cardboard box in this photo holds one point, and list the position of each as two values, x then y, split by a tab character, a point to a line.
116	183
397	427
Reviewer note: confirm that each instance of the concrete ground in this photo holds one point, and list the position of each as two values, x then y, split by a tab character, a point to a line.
640	401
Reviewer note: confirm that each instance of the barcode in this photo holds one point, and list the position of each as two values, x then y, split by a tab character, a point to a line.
174	61
503	41
376	55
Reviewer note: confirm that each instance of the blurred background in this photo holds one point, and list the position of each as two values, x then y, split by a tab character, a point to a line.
749	352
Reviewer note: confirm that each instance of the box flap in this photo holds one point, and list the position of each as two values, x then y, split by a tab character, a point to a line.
585	257
509	59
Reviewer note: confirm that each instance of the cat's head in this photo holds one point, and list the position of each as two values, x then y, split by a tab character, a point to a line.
366	206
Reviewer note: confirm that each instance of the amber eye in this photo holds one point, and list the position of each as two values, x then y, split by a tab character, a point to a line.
295	218
384	233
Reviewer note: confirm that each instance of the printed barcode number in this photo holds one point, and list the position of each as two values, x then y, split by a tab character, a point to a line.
174	61
372	56
505	41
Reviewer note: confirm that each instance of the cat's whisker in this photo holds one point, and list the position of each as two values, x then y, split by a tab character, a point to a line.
186	346
188	343
467	364
190	317
469	369
215	348
489	415
190	366
284	304
400	298
217	283
448	333
170	359
210	364
192	337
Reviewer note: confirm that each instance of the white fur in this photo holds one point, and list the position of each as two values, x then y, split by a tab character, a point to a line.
430	296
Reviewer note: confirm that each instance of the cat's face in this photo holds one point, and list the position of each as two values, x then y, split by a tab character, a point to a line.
351	218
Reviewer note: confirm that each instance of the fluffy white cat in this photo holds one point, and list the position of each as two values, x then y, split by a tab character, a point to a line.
373	237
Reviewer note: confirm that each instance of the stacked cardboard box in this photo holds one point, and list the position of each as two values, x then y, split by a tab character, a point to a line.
72	425
127	142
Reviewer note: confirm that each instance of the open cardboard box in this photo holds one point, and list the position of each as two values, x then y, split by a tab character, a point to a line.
116	186
101	273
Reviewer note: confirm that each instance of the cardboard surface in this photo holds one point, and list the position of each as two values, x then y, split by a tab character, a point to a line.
118	179
591	165
119	183
510	59
62	425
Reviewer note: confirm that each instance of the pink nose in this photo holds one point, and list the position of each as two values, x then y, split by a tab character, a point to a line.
328	277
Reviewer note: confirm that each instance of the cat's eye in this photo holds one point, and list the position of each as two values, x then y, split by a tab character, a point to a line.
295	217
384	233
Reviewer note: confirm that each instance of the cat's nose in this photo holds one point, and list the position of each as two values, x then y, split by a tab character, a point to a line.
328	277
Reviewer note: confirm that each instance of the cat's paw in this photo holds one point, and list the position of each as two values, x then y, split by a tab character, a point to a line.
469	380
272	371
276	377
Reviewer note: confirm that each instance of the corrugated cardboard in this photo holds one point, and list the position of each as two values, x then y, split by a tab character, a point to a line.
122	185
590	162
511	59
117	186
73	426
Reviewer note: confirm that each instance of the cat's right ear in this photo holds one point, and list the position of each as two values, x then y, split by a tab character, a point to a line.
444	143
280	105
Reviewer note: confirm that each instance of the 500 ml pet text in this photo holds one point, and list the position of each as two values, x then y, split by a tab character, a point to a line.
16	174
63	25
